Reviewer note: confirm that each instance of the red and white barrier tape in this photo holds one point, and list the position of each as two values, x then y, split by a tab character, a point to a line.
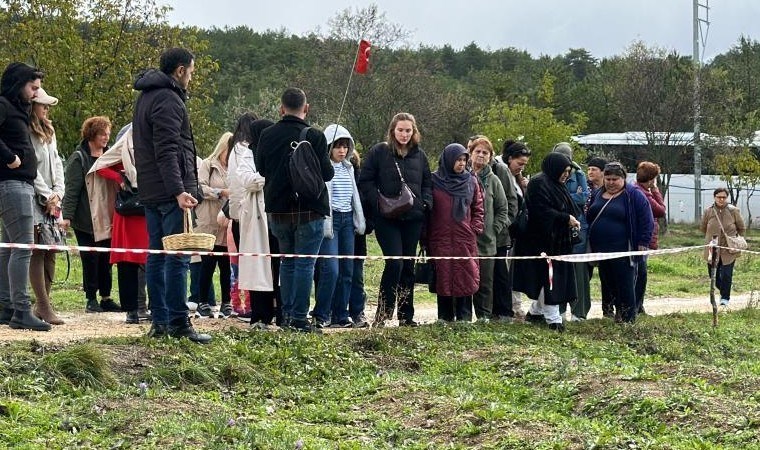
582	257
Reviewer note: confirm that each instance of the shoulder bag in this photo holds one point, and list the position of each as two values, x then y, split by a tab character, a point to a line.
48	232
735	243
394	207
128	201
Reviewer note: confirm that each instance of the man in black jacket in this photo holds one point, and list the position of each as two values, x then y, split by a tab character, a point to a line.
297	223
18	169
167	175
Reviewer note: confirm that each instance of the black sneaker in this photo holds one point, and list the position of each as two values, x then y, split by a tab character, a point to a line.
360	321
184	329
93	306
304	327
157	331
144	315
342	324
204	310
558	327
226	310
319	323
132	318
534	318
407	323
108	305
6	314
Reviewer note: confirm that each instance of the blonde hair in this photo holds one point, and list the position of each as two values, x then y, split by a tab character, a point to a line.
42	128
222	145
391	138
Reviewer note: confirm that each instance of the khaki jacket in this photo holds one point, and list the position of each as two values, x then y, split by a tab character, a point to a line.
732	221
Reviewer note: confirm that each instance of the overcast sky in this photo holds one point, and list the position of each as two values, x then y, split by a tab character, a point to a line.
550	27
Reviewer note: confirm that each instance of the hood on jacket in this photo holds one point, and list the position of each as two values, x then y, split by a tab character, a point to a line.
155	79
15	76
334	132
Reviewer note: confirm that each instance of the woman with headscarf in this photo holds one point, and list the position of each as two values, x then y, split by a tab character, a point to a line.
455	222
551	215
257	274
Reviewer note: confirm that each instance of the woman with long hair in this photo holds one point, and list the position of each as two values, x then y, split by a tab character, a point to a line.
48	189
387	166
212	177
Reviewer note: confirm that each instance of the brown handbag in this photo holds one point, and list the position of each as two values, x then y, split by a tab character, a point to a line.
394	207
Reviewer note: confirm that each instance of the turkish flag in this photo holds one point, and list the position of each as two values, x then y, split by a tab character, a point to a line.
362	58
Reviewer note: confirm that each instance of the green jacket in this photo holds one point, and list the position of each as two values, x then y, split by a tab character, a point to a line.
507	182
76	202
496	211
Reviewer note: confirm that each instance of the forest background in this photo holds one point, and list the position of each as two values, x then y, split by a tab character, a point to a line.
91	51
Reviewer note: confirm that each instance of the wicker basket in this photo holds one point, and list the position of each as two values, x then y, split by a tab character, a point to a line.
189	240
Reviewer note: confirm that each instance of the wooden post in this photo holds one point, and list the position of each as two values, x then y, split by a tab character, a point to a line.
714	254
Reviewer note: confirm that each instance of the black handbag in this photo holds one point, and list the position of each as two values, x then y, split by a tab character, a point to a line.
394	207
128	201
49	233
424	270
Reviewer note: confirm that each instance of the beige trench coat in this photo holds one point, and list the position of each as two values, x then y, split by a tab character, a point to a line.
254	272
212	177
732	221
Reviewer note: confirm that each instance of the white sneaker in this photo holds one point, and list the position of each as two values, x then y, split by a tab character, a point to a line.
192	306
724	302
574	318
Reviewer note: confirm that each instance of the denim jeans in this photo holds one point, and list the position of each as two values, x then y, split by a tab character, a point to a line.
336	275
17	219
297	274
166	275
724	278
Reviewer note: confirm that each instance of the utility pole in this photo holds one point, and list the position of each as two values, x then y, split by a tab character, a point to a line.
697	59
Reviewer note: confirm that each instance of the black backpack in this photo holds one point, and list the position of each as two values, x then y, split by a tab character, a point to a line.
304	170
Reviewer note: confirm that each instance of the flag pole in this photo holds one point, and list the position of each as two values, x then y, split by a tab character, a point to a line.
345	94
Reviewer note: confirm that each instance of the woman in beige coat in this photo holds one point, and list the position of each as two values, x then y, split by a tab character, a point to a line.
722	219
212	177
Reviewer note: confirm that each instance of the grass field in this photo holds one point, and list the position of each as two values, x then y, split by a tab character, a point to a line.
666	382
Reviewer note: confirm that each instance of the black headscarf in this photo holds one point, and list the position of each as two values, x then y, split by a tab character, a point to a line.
458	185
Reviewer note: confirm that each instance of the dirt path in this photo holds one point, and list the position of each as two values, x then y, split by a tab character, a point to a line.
81	326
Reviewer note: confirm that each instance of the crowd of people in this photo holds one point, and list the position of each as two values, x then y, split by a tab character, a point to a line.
476	204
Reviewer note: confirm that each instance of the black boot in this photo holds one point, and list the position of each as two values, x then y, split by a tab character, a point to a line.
25	320
183	328
6	313
132	317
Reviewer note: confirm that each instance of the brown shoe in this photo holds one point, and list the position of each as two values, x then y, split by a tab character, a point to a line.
44	310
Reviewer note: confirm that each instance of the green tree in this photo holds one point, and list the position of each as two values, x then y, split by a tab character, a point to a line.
91	50
537	127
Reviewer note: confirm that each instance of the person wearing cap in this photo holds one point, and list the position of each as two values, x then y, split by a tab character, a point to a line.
620	221
577	186
18	170
646	181
48	191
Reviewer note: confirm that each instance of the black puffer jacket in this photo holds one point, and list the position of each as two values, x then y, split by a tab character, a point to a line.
14	125
379	173
164	148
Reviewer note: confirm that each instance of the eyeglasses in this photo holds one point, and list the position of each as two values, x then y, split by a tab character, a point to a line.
721	197
518	153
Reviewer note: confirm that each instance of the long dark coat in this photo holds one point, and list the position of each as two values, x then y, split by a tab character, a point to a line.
549	210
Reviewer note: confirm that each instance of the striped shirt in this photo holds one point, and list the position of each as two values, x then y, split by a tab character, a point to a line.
342	189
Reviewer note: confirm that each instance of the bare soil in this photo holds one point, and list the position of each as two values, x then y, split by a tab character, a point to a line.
81	326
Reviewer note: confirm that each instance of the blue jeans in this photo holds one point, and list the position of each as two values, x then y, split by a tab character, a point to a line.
336	275
166	275
724	278
17	218
297	274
